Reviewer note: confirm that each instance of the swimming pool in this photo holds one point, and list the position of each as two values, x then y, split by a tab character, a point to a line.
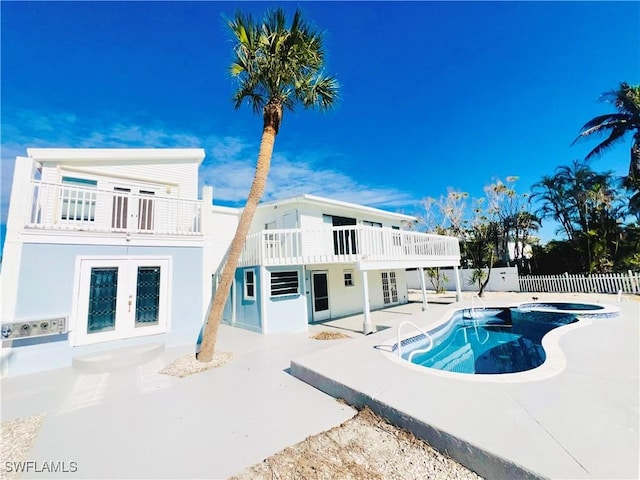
494	341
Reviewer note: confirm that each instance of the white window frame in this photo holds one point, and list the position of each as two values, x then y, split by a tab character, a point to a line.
246	283
369	223
351	281
84	201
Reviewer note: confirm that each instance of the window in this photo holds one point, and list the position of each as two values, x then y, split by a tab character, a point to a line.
348	278
78	199
371	224
249	285
344	239
284	283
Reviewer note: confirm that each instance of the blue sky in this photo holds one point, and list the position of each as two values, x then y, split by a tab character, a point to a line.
433	94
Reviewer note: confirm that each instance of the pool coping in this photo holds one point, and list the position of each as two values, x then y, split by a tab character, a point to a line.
475	422
555	360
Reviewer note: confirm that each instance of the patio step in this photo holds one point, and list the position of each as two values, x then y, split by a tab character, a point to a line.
117	358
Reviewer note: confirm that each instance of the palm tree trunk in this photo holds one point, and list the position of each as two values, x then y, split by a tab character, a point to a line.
634	167
235	250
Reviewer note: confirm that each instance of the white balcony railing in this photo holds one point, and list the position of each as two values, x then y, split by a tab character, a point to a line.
348	244
70	207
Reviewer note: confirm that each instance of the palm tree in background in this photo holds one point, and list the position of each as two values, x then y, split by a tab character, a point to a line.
616	125
278	67
589	209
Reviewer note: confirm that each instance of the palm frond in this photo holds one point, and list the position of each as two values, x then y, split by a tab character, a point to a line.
276	63
616	135
321	91
626	98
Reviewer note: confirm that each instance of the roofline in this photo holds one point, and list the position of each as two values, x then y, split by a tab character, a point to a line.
225	209
123	154
314	199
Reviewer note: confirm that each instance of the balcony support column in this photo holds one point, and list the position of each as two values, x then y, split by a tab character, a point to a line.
367	327
423	288
234	293
456	272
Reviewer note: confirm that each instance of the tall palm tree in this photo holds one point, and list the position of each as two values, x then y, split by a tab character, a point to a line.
616	125
278	67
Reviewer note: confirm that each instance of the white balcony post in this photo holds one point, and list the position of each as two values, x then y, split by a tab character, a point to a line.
367	327
423	288
456	272
234	293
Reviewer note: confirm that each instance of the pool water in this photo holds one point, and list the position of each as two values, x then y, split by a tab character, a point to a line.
493	344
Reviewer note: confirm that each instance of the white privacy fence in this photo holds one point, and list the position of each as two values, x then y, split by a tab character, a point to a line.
628	282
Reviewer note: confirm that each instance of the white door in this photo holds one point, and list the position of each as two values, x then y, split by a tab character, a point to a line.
290	241
133	209
290	219
320	296
121	298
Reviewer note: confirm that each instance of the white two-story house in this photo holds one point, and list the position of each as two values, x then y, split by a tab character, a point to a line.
106	248
308	259
109	248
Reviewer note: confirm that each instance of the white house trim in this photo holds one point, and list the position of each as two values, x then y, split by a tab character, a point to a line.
12	253
102	238
141	181
117	155
323	201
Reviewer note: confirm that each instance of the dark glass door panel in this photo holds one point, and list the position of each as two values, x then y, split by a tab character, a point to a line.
147	296
320	292
103	293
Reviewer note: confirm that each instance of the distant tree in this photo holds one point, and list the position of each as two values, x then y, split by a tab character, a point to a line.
556	257
437	279
278	67
616	126
484	227
515	222
589	208
482	240
445	215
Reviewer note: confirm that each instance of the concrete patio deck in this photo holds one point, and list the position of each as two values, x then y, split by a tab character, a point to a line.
580	423
132	422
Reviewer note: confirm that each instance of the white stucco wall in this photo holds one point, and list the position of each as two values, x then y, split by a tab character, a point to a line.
350	300
59	281
503	279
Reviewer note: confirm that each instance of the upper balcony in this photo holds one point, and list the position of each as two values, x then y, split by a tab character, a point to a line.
369	247
88	209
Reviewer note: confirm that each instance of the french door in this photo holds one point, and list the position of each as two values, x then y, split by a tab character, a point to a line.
133	209
389	288
121	298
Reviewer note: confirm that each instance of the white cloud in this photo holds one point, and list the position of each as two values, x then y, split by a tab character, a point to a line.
231	177
229	165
